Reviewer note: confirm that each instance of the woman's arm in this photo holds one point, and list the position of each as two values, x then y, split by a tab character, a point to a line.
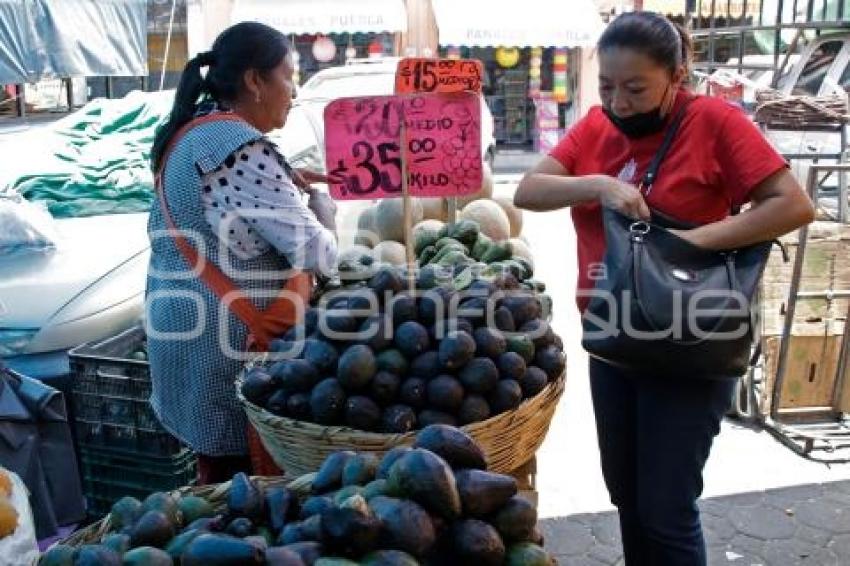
779	205
549	186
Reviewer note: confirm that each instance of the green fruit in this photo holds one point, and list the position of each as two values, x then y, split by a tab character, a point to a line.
426	365
384	388
374	489
489	342
357	366
360	469
522	345
482	244
119	542
345	493
424	477
412	392
429	275
473	409
504	320
257	386
309	551
482	492
430	417
280	556
154	528
377	331
58	555
321	355
164	503
398	419
96	555
245	498
516	520
527	554
479	376
327	402
523	307
392	361
386	280
516	269
351	529
464	231
456	349
528	270
315	505
295	376
405	525
179	543
220	550
452	258
453	445
445	393
411	338
446	241
362	413
194	508
551	361
511	366
240	527
476	542
147	556
125	512
506	397
389	459
281	506
533	381
329	476
498	251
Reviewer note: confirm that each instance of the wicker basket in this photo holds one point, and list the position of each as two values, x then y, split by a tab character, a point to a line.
777	110
215	494
509	440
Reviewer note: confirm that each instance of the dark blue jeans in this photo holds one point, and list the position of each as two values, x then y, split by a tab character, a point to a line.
654	439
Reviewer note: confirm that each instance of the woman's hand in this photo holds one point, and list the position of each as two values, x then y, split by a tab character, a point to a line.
303	178
622	197
323	207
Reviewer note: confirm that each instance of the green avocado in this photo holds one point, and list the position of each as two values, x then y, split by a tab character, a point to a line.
522	345
389	459
374	489
357	366
282	506
119	542
164	503
482	244
389	558
178	544
309	551
329	476
147	556
194	508
245	498
96	555
527	554
58	555
360	469
516	520
221	550
393	361
464	231
281	556
152	529
125	512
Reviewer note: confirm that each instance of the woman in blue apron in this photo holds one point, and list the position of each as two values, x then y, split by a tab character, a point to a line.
233	245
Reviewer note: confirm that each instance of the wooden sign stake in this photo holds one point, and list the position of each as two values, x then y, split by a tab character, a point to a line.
452	209
408	214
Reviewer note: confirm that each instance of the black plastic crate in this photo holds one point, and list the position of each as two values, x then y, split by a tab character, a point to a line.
111	397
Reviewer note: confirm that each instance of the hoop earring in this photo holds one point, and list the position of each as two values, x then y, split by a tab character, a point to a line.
258	98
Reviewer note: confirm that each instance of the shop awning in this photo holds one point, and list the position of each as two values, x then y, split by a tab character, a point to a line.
530	23
324	16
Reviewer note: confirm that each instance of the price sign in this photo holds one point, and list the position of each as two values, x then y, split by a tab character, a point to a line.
438	75
435	138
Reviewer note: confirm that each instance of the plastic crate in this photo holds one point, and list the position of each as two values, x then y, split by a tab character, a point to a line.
109	475
111	398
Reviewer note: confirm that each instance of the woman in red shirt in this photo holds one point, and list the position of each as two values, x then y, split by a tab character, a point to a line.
655	434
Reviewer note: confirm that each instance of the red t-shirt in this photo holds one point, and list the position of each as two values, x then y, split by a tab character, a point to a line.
717	158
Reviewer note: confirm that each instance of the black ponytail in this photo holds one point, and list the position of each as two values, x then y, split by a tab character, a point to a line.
652	34
239	48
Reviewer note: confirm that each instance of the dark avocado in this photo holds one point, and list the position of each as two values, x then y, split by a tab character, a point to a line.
479	376
429	417
506	397
329	476
389	459
309	551
321	355
147	556
482	492
411	338
360	469
402	308
426	365
504	320
476	542
456	349
489	342
357	367
540	333
351	529
277	403
412	392
362	413
245	498
516	520
258	386
551	361
327	402
377	332
96	555
405	525
282	556
392	361
384	388
473	409
221	550
453	445
398	419
424	477
153	528
445	393
533	381
295	376
298	407
511	366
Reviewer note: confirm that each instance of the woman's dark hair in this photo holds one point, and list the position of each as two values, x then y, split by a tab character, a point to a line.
239	48
652	34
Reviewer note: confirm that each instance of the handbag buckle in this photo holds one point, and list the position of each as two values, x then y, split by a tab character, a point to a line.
640	228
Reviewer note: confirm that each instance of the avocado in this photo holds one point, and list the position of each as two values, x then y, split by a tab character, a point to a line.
194	508
335	561
516	520
528	554
387	281
294	376
453	445
96	555
473	409
153	528
221	550
204	524
357	366
533	381
429	417
504	320
58	555
285	348
362	303
296	532
551	361
351	529
482	492
147	556
479	376
329	475
476	542
178	544
482	244
245	498
511	366
464	231
240	527
362	413
434	304
412	392
445	393
424	477
165	503
522	345
398	419
338	325
389	459
474	310
346	492
498	251
426	365
281	556
377	332
298	407
456	349
411	338
257	386
282	506
463	325
309	551
540	332
384	388
402	308
523	307
388	558
489	342
125	512
322	355
119	542
374	489
277	403
506	397
360	469
327	402
428	276
393	361
405	525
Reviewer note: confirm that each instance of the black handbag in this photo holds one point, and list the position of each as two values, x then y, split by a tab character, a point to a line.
665	307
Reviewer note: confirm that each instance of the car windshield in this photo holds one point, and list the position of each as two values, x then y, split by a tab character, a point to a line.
356	84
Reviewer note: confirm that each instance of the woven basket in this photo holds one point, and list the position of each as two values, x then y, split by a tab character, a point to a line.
799	112
215	494
509	440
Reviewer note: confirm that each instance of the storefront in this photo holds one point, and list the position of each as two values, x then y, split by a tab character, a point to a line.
532	60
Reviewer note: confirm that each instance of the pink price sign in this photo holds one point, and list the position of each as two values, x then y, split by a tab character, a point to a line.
440	135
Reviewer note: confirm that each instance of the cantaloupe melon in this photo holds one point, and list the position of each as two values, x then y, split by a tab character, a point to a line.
520	249
490	216
434	208
366	232
514	214
390	252
486	190
389	218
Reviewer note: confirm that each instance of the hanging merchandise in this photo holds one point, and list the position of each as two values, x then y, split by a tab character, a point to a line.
324	49
296	67
534	64
350	51
376	49
559	82
453	52
507	56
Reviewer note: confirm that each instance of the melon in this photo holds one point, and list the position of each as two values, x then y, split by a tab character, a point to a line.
390	252
434	208
490	217
366	232
389	218
486	190
514	214
520	249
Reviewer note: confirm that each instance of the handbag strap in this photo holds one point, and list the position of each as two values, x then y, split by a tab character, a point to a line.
651	174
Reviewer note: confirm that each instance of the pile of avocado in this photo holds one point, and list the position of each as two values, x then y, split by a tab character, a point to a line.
433	503
379	358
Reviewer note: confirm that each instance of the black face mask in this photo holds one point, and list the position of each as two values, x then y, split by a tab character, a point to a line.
638	125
